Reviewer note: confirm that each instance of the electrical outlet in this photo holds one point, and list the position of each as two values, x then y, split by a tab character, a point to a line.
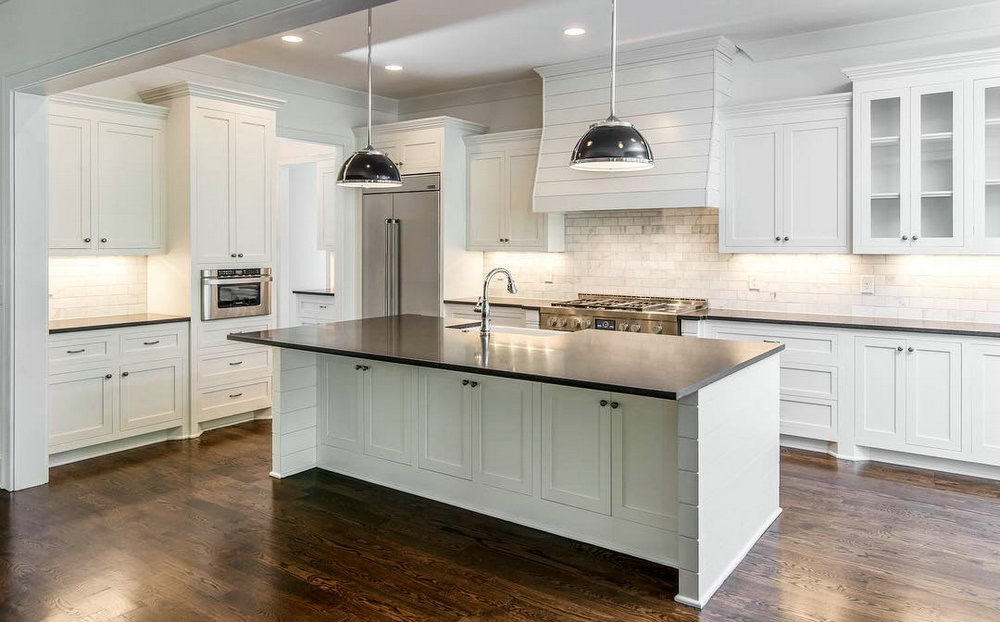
753	284
868	285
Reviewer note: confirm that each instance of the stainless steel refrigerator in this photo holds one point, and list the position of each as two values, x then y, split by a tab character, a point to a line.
400	248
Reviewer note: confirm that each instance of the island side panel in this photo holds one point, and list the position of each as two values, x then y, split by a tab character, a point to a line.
728	460
293	427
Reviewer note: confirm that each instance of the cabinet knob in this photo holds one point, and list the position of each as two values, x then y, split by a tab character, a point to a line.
914	238
124	374
107	376
474	384
104	240
906	237
87	240
239	254
465	382
899	348
786	238
604	403
777	238
233	255
357	367
615	404
909	349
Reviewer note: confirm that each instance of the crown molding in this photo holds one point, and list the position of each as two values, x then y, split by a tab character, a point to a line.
424	124
497	137
798	104
106	103
642	53
961	60
194	89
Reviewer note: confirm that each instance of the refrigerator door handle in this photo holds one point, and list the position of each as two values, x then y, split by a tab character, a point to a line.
392	302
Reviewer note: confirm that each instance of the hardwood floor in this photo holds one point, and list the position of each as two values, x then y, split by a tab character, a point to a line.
196	530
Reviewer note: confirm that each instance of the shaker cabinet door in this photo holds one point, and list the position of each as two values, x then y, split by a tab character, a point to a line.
815	205
386	406
487	197
753	188
934	394
576	448
81	408
502	426
444	422
214	146
70	217
251	207
130	187
151	393
880	387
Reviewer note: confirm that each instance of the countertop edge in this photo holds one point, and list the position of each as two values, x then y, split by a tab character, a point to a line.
103	326
965	332
571	382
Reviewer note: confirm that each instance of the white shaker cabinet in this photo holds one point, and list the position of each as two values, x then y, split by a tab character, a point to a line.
386	405
982	400
501	183
107	181
233	184
81	407
576	447
444	422
502	431
787	181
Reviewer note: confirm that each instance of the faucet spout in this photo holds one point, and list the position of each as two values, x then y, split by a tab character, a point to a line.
484	301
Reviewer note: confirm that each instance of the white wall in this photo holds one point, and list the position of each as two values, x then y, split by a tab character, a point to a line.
501	107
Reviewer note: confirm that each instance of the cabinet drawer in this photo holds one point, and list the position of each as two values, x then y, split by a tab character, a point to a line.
213	334
152	345
806	380
800	346
310	307
808	418
216	369
66	353
235	399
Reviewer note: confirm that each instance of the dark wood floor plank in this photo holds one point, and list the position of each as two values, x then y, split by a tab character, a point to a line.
196	530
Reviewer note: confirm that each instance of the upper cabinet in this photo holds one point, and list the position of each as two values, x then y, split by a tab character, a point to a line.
787	181
925	139
501	169
226	170
107	181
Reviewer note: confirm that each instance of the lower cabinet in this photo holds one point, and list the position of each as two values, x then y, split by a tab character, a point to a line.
576	448
386	405
908	393
444	422
140	387
502	429
981	377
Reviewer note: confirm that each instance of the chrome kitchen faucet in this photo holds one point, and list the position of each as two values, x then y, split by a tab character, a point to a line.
483	306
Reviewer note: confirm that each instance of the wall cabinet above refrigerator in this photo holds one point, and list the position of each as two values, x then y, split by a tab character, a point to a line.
927	155
107	176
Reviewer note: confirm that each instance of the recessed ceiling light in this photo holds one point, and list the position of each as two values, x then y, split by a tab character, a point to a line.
394	67
291	39
574	31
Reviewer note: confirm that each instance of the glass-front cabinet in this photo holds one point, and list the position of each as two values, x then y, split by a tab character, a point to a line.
986	180
910	170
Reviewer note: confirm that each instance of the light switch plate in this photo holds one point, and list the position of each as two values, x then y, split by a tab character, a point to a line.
868	285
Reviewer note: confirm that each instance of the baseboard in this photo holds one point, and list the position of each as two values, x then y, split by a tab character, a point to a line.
730	567
115	446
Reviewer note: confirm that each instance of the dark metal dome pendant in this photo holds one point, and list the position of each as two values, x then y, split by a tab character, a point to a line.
613	144
369	167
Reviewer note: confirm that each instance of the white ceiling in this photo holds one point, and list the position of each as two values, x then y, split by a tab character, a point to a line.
451	44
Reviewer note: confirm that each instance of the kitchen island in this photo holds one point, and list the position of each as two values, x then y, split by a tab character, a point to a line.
661	447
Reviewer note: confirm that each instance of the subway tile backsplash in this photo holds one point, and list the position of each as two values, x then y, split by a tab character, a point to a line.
674	252
96	286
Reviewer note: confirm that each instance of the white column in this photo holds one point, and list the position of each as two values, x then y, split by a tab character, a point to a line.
728	459
293	427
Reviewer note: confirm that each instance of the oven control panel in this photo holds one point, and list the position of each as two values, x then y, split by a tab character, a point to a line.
235	273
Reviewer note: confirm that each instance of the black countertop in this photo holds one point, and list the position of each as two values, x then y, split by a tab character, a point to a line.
314	292
975	329
112	321
654	365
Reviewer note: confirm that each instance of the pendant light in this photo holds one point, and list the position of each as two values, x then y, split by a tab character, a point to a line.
369	167
613	144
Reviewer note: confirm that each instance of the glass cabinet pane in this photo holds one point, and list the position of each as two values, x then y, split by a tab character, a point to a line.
885	167
992	161
937	165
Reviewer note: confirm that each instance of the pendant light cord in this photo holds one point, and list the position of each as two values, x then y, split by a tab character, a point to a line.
614	53
370	78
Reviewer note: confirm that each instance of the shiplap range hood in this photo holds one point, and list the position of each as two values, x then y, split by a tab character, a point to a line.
671	93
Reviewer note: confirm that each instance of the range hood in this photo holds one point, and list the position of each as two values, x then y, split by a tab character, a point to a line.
671	93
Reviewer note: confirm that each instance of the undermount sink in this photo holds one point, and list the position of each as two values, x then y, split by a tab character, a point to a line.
514	330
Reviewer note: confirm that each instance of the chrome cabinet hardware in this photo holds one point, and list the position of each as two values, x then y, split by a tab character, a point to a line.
76	351
150	343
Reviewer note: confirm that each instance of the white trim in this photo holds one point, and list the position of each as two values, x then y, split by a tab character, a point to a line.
731	566
961	60
423	124
194	89
799	104
499	137
106	103
638	53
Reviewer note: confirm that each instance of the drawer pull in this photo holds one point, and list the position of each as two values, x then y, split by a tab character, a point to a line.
236	363
150	343
322	306
771	341
76	351
235	395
